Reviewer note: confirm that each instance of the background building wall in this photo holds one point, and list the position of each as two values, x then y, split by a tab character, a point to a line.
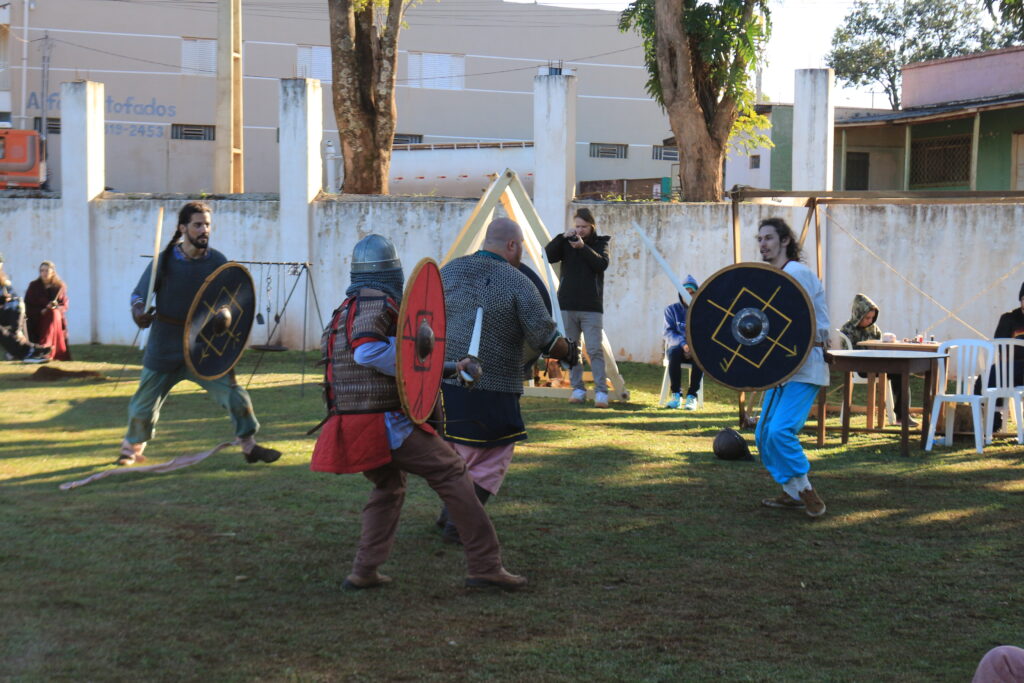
963	78
139	58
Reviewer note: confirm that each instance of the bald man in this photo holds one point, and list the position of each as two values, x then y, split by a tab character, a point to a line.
483	422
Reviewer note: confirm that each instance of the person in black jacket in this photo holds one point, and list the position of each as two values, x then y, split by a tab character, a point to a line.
1010	326
584	257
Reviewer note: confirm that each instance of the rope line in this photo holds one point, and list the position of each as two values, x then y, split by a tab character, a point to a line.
926	295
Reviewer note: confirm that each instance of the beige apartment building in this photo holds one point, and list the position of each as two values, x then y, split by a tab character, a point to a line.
465	76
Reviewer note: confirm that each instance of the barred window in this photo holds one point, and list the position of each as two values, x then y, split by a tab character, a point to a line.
665	153
407	139
189	131
608	150
52	125
940	161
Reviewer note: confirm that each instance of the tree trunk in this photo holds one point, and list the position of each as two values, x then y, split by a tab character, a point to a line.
363	58
700	121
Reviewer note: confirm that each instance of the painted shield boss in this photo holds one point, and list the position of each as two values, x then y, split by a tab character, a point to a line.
219	321
421	341
750	326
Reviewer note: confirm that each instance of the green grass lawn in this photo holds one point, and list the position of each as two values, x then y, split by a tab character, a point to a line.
648	558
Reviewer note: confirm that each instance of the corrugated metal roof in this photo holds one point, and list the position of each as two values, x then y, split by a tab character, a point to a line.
938	111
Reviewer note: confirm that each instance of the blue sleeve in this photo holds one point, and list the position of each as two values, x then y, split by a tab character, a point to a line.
671	334
377	355
139	293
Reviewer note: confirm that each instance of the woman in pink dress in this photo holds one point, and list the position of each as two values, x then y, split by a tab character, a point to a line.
46	304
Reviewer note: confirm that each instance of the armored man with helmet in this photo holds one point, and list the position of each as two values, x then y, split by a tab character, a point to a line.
367	431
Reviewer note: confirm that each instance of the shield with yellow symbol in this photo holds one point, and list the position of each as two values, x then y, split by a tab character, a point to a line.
750	326
219	321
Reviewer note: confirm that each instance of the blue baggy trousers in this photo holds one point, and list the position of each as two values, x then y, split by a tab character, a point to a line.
777	435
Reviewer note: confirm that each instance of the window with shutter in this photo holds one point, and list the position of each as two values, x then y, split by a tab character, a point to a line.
314	61
199	56
436	70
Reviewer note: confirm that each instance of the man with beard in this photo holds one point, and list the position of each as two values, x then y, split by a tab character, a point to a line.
483	422
183	266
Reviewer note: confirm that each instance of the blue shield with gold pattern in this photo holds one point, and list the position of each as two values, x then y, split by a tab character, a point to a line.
219	321
750	326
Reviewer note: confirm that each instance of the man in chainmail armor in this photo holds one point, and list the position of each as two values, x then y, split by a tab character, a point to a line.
483	421
366	430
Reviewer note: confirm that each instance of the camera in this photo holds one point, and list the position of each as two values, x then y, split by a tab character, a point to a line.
573	238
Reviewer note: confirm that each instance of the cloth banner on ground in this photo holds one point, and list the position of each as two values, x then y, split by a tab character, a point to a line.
173	464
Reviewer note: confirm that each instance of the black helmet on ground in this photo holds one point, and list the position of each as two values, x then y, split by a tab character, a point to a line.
730	445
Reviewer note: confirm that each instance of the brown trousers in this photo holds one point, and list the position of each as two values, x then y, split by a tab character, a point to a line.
427	456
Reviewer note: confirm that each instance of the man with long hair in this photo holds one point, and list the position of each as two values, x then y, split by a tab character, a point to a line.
183	265
788	405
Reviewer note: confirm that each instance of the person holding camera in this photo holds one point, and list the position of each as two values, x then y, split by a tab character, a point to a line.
584	258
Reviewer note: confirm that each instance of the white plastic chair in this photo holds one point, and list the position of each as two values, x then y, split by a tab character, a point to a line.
890	415
665	384
968	359
1002	365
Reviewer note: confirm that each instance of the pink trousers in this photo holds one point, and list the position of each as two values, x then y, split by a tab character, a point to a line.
1003	664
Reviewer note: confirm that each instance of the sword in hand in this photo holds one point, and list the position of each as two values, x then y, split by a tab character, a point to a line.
473	371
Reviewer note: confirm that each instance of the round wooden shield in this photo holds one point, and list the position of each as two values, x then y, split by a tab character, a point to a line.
219	321
421	341
750	326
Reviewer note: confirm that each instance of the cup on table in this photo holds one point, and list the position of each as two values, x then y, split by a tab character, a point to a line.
889	338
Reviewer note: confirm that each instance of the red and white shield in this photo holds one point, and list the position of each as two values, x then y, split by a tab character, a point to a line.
421	341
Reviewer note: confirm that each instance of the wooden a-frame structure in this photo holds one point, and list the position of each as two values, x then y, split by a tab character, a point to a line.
506	189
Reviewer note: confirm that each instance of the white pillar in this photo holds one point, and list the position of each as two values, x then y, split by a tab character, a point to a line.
554	146
813	130
83	175
301	176
813	140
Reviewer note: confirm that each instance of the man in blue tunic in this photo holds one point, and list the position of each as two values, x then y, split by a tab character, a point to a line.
787	406
184	265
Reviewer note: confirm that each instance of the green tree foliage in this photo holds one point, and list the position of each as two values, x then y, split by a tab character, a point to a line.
880	36
699	57
1010	14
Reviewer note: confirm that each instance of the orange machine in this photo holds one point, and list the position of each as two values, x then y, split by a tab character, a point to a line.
21	159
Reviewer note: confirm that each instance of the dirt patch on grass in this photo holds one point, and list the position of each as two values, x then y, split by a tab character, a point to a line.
49	373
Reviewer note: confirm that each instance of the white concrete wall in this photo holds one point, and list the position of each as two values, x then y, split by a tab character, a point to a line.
30	233
968	258
462	172
738	171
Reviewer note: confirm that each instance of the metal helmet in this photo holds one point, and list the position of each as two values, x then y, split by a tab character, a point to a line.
730	445
374	254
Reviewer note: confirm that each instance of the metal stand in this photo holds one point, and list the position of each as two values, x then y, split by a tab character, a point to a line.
297	268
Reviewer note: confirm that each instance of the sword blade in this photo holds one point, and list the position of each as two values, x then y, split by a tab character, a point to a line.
683	292
474	341
156	258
